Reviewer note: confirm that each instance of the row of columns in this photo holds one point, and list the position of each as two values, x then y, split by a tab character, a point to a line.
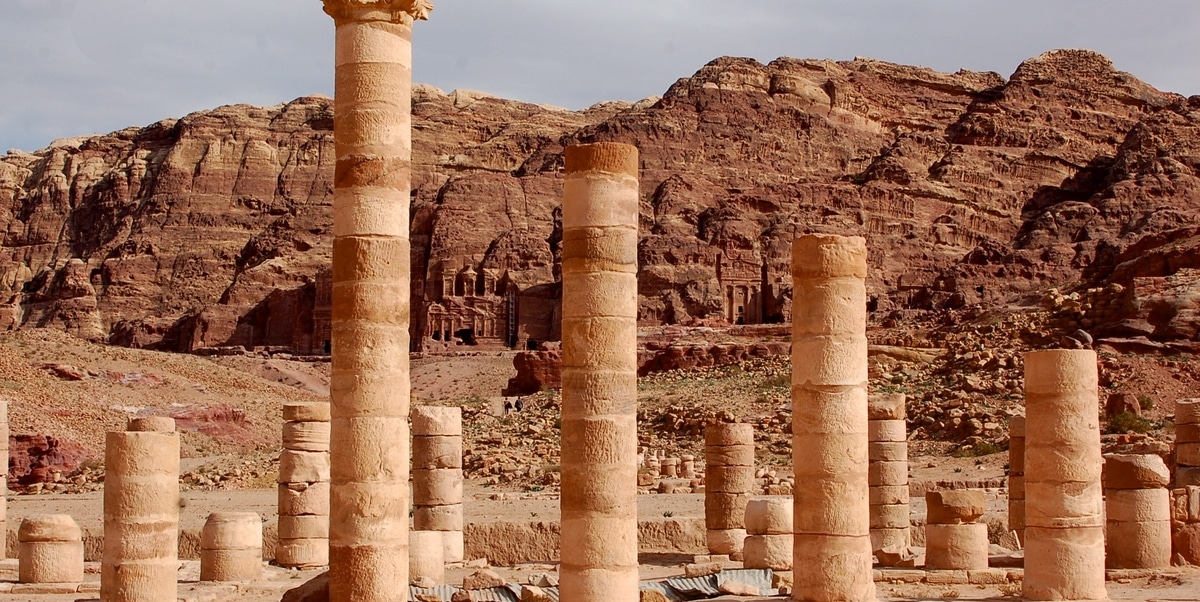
370	373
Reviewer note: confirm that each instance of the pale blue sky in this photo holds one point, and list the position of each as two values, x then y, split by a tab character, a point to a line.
72	67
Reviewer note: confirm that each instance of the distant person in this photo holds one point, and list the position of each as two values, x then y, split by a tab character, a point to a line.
508	406
520	405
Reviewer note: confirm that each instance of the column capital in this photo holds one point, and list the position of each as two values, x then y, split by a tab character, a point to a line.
393	10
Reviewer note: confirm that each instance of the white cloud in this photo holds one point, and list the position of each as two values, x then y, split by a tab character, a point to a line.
71	67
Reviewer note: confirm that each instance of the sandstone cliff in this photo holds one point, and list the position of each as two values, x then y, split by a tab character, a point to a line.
213	229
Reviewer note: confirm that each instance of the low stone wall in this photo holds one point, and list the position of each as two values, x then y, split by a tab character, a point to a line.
511	543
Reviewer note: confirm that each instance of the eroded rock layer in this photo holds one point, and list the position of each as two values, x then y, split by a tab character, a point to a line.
215	229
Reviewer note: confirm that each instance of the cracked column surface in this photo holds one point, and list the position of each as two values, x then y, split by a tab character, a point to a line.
369	388
1064	505
599	374
832	546
141	512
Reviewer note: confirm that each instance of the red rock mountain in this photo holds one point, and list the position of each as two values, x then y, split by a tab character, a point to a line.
214	229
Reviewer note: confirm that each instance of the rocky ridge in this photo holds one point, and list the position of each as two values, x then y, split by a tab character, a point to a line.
971	189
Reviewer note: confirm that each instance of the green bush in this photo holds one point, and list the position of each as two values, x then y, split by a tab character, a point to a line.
1128	422
983	448
1146	402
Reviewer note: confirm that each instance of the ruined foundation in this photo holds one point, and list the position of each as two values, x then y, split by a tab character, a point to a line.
599	374
728	482
50	550
888	473
954	537
1064	508
1016	476
141	512
231	547
304	487
768	544
438	476
1137	508
369	384
832	545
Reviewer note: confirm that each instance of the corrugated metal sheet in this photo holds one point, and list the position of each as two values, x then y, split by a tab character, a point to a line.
760	578
442	591
695	588
494	594
662	588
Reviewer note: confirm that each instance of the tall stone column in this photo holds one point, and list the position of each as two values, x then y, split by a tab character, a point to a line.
438	476
888	473
369	387
728	481
599	374
1016	476
1064	504
141	512
832	551
304	487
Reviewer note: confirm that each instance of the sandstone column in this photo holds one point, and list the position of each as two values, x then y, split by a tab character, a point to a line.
425	556
769	543
599	374
1185	523
231	547
141	512
304	487
888	473
1016	476
954	537
50	549
728	481
687	466
1187	442
369	386
671	468
1064	506
653	466
1137	512
438	476
832	550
